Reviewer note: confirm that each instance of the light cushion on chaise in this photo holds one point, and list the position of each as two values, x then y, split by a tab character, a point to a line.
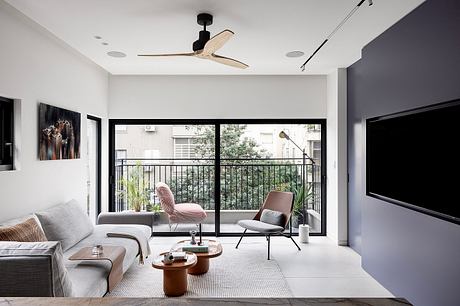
91	276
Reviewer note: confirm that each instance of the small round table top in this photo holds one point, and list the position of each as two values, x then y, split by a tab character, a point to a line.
177	265
214	248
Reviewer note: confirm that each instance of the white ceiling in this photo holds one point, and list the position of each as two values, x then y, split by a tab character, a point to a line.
265	30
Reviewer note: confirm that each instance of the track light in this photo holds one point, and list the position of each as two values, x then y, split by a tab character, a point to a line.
335	30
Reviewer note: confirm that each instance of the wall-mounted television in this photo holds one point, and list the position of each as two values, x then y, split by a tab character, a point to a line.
413	159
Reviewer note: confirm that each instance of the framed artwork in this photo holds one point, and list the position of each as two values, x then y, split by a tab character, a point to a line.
59	133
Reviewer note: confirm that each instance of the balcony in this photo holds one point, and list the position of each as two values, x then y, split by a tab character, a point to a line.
244	184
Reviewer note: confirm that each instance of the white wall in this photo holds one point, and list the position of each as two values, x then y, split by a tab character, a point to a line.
337	156
198	97
34	66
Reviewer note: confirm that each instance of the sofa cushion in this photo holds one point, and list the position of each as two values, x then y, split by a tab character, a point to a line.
66	223
99	236
41	264
273	217
27	231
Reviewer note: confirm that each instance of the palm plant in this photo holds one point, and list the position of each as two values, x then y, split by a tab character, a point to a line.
302	195
136	189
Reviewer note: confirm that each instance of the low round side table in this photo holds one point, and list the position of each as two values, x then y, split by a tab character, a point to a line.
202	266
175	274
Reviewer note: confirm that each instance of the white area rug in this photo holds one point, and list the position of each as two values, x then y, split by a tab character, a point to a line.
236	273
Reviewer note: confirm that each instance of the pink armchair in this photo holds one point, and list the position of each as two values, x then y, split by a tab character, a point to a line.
181	212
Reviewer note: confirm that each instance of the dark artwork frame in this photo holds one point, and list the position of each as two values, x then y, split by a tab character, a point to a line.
59	133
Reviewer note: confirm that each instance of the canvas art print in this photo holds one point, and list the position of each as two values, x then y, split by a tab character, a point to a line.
59	133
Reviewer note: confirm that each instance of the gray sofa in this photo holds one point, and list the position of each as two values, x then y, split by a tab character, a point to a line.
43	268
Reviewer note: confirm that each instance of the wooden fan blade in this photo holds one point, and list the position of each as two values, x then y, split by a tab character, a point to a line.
168	54
216	42
228	61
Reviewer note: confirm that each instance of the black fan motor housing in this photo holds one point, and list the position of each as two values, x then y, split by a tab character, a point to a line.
202	40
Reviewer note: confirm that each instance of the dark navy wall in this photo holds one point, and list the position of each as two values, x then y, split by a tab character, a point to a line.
415	63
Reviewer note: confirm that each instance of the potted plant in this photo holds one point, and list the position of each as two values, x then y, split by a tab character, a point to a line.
302	197
136	189
155	208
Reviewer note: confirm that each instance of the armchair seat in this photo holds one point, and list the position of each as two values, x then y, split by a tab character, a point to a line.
261	227
188	212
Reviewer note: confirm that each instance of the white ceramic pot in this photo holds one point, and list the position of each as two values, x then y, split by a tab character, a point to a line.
304	233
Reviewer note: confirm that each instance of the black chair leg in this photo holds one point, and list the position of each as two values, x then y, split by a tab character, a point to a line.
201	236
295	243
241	238
268	240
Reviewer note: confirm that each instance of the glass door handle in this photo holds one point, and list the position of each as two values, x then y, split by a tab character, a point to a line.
9	144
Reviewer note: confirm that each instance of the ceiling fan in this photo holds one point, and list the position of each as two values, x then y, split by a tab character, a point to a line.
205	47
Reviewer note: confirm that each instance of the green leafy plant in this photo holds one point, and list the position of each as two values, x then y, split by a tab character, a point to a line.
302	195
136	190
156	208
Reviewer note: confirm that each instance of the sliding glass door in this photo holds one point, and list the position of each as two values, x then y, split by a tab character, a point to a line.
178	155
228	167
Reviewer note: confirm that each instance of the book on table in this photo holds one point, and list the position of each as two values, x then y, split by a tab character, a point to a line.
195	248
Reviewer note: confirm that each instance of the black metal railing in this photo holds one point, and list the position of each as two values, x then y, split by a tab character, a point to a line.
244	182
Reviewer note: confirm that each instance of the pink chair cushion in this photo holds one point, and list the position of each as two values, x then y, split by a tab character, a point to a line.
188	213
166	197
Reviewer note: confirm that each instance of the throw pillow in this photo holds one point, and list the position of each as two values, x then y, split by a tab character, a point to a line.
27	231
67	223
273	217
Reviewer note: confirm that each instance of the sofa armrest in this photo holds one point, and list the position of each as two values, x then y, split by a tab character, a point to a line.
143	218
33	269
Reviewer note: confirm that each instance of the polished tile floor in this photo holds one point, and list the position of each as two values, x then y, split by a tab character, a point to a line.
320	269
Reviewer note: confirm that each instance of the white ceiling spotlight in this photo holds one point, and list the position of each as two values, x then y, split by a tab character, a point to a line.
117	54
295	54
335	30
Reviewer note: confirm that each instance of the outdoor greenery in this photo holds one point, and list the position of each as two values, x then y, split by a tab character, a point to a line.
246	175
135	188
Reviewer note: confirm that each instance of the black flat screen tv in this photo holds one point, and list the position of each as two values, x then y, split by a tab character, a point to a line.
413	159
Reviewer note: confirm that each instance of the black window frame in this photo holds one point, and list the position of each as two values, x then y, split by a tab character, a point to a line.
217	124
6	134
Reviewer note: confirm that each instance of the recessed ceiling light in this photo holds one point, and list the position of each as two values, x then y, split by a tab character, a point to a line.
105	43
97	37
116	54
295	54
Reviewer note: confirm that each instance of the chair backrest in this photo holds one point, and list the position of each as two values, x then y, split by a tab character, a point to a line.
166	197
279	201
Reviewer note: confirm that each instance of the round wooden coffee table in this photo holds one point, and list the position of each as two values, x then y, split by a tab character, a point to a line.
202	266
175	274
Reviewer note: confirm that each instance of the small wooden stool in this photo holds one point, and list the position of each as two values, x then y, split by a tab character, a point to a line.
175	274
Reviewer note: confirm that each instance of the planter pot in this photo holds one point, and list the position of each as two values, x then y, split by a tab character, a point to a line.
304	233
295	221
156	218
